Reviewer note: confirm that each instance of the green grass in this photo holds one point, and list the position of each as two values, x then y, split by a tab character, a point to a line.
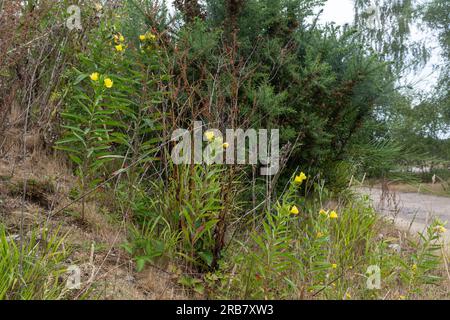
32	270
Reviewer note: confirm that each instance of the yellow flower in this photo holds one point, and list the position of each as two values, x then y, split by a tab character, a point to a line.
319	234
142	37
348	295
440	229
209	135
226	145
108	83
151	36
323	213
300	178
94	76
334	266
333	215
402	298
118	38
294	210
414	267
119	47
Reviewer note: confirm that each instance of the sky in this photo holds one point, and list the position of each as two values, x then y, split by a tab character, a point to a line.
338	11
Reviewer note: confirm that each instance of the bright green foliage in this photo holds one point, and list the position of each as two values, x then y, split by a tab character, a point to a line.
425	260
324	253
31	270
154	241
88	138
183	214
117	123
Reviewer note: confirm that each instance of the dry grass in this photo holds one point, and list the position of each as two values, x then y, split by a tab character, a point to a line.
437	189
96	242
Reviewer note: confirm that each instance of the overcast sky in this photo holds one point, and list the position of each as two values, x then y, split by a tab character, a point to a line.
339	11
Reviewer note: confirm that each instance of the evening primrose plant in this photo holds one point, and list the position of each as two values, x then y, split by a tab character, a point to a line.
418	269
112	112
268	262
89	125
306	250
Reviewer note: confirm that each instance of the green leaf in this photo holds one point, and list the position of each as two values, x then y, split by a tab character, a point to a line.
80	78
127	247
199	288
75	159
207	257
140	264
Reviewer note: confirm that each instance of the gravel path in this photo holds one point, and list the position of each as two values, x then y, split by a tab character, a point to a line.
411	209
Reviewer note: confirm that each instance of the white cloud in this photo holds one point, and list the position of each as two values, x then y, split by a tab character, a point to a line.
338	11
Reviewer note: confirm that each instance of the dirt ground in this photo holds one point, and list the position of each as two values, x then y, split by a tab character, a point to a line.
108	272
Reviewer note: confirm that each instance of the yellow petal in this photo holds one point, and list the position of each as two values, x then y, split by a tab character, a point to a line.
294	210
440	229
333	215
209	135
108	83
94	76
300	178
